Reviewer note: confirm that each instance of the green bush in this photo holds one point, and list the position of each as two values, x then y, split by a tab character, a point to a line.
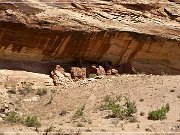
115	108
92	75
159	114
130	108
78	113
32	121
125	111
13	117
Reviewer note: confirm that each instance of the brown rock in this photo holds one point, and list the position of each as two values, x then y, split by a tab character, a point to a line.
59	69
59	76
78	73
98	70
114	71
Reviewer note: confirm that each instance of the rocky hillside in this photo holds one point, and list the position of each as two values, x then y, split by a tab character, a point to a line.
143	34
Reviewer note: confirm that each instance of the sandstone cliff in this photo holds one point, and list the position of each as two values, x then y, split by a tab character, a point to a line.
143	34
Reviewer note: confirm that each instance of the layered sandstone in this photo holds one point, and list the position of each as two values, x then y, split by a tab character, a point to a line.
142	34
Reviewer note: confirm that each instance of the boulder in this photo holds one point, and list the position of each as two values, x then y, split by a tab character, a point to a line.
78	73
112	71
59	69
98	70
59	76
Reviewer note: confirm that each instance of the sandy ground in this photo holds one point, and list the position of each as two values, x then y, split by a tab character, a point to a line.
155	91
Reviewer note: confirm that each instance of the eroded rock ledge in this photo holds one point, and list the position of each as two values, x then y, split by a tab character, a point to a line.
150	42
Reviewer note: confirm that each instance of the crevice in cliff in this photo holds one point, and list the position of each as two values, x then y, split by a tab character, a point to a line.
132	55
123	52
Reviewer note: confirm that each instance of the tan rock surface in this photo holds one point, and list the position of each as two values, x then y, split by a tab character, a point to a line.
143	34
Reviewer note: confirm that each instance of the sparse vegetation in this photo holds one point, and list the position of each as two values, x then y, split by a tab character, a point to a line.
51	99
124	111
141	100
80	125
41	91
130	107
78	113
159	114
92	75
13	117
32	121
12	90
27	88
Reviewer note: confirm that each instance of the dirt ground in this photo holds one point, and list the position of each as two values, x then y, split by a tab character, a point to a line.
56	109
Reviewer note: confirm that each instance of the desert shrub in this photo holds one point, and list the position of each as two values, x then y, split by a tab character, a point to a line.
115	108
41	91
12	90
13	117
159	114
92	75
25	89
78	113
125	111
80	125
130	107
32	121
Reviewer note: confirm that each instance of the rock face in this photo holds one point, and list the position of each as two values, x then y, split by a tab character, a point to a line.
59	76
78	73
142	34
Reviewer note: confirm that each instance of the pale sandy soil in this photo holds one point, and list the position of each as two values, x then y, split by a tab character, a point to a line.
155	90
